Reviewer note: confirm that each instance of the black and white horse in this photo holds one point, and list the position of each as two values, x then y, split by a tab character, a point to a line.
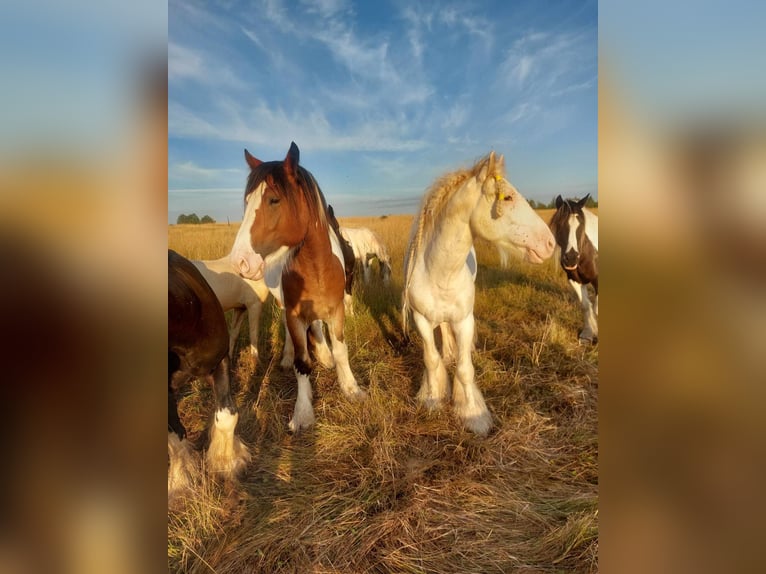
576	231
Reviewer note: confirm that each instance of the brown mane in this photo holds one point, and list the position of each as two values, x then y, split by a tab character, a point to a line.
272	172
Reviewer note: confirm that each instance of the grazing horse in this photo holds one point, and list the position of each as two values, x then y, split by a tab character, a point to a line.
576	232
198	347
237	294
439	271
368	246
286	238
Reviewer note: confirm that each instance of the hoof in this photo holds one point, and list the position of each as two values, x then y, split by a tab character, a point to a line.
431	403
181	469
297	424
479	424
357	396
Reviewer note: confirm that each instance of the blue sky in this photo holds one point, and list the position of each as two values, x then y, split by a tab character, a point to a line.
380	97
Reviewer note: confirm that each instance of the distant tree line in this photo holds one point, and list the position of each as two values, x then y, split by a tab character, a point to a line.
194	218
552	204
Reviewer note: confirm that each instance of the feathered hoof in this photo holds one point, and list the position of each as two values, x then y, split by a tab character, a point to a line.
301	422
227	456
357	396
431	403
286	362
181	469
231	464
479	424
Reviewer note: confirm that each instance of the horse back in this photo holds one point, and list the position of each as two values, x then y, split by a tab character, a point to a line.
197	331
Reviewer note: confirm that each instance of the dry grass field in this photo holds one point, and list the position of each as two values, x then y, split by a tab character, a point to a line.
384	486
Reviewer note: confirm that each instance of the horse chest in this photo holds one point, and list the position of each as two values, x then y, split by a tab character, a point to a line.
442	302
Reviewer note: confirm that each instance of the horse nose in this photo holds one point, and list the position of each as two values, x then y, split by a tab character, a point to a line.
550	244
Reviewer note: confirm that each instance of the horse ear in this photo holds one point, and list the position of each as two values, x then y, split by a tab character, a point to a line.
559	201
583	201
253	162
491	162
292	159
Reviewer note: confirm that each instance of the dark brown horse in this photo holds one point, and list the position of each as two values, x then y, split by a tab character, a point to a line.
286	237
576	231
198	346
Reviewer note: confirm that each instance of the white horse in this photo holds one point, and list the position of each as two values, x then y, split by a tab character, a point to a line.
368	246
237	294
439	287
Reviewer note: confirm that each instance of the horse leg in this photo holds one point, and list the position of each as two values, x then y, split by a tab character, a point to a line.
586	334
303	413
321	350
288	352
180	451
346	378
253	319
348	303
226	455
433	389
467	398
237	316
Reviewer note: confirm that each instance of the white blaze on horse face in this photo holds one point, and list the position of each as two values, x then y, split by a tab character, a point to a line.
521	227
572	240
243	258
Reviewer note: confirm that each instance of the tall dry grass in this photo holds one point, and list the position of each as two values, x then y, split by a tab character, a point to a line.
385	486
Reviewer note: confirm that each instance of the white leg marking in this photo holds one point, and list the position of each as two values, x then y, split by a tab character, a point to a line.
468	401
303	414
226	454
590	329
433	389
321	350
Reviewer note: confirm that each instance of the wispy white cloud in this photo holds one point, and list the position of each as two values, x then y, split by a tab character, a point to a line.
194	65
259	124
188	170
184	63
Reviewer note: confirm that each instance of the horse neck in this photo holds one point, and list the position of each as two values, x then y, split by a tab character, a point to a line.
452	238
316	245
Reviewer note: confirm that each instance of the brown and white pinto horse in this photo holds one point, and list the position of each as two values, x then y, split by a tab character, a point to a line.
576	232
286	238
198	346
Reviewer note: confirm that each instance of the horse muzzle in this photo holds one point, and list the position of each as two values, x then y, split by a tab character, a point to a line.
249	266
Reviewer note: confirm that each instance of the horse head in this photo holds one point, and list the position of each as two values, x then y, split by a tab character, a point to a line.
280	202
505	218
568	225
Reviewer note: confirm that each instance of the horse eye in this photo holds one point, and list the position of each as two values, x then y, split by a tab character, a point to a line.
273	200
507	198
